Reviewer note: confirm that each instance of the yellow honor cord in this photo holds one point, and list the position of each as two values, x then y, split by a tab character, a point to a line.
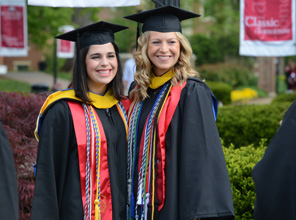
153	177
153	156
97	210
124	119
98	145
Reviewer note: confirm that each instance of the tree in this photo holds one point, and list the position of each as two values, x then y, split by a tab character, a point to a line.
225	14
43	23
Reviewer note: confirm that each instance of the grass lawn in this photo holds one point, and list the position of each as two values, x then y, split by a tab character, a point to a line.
8	85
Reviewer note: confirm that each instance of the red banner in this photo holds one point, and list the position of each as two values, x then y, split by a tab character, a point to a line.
12	27
267	28
65	48
268	20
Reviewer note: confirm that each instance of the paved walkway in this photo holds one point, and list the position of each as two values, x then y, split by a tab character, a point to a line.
260	101
36	78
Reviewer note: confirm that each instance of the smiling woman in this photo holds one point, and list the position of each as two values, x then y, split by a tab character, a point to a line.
81	162
176	166
101	67
163	51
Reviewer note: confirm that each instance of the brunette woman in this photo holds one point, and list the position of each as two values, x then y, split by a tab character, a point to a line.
81	163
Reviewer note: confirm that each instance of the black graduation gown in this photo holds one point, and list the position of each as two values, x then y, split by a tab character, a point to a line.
197	183
8	183
57	192
275	174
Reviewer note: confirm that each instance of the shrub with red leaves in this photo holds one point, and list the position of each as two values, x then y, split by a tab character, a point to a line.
18	113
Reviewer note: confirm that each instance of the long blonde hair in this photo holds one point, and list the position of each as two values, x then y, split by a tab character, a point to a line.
182	69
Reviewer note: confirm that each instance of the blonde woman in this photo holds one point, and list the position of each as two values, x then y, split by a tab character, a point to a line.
176	166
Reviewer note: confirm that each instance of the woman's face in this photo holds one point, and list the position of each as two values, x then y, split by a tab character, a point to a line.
101	67
163	51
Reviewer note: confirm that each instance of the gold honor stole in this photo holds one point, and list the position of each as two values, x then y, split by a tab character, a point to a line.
106	101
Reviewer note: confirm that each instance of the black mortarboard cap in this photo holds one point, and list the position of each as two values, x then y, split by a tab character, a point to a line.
162	19
95	34
98	33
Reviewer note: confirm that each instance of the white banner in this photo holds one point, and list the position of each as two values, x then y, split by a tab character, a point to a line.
65	48
267	28
13	28
84	3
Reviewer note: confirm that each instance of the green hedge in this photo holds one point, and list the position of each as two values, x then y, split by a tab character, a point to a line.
233	74
243	125
240	163
284	97
221	90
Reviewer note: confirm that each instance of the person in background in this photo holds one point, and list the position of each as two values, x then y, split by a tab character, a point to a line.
81	162
291	76
176	165
275	174
9	208
129	71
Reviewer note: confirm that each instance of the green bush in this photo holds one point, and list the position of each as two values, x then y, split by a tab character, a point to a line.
206	49
213	48
285	97
240	163
233	74
222	91
243	125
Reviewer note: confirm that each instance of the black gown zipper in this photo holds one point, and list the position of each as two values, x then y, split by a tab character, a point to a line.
109	115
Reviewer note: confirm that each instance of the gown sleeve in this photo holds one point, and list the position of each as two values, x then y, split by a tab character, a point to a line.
195	163
8	183
56	139
275	174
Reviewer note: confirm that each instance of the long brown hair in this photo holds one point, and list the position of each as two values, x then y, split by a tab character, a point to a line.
81	89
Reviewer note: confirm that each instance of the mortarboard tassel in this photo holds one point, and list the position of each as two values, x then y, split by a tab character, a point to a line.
138	34
97	210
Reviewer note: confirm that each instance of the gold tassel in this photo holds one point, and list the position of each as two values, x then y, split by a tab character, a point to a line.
97	210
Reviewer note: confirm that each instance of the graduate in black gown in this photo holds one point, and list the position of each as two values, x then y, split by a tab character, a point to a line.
176	166
82	132
275	174
8	183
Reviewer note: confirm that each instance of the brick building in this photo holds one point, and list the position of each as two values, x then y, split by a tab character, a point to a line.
30	62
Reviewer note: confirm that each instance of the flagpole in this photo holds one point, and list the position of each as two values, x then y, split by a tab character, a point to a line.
54	88
160	3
